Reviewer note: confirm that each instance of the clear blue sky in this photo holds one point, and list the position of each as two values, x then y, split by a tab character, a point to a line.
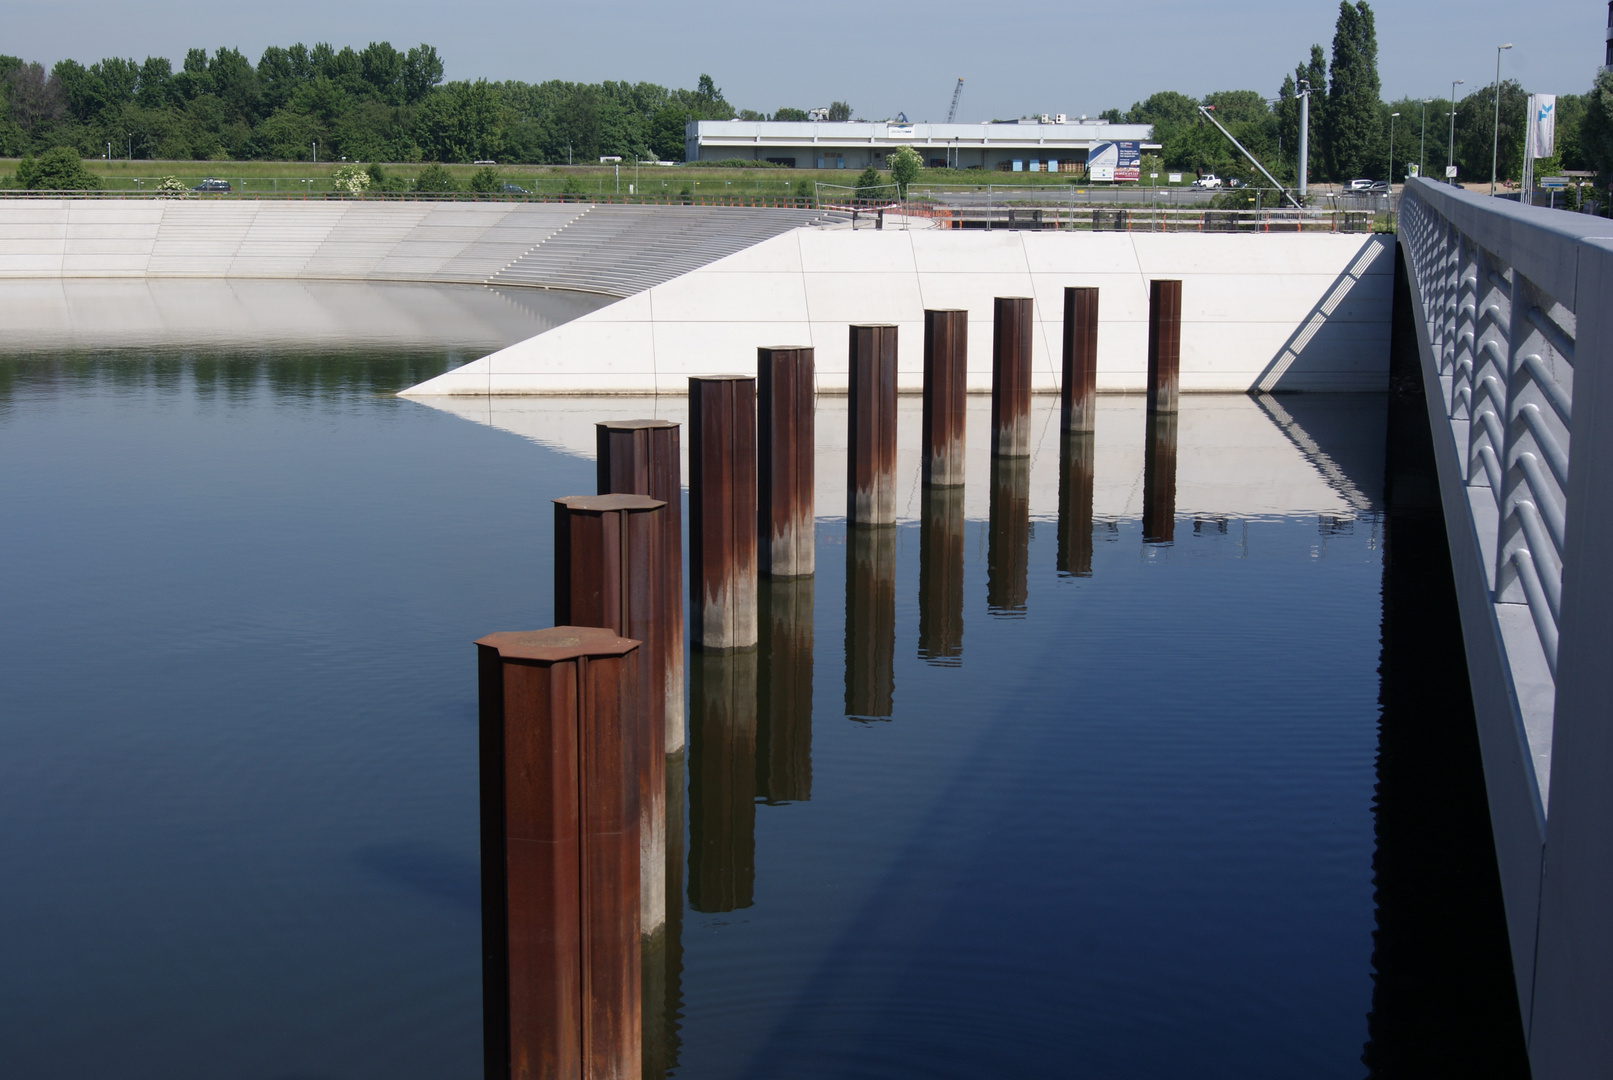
1019	59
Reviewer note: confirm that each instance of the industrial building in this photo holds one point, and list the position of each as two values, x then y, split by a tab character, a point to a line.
1048	144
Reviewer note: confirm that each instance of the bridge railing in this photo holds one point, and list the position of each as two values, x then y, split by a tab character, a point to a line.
1514	306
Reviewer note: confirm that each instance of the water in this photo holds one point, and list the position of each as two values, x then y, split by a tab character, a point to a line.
1044	822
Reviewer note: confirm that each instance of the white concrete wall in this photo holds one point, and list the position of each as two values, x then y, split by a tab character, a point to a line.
1269	312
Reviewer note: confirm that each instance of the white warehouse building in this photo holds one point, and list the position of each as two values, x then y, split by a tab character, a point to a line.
1051	145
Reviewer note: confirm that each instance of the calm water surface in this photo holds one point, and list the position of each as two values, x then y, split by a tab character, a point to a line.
1107	824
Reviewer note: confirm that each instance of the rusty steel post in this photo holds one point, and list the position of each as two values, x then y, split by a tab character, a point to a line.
1008	537
722	511
559	751
946	359
784	693
784	461
663	999
941	577
1164	344
608	566
870	622
1075	503
1159	480
641	457
1079	394
722	780
1011	377
871	435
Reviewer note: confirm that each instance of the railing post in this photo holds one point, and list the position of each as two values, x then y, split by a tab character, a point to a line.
946	357
1011	377
1078	404
1164	344
560	853
871	435
785	448
722	511
608	570
642	457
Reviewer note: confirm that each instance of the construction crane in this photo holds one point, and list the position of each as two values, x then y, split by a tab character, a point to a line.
952	113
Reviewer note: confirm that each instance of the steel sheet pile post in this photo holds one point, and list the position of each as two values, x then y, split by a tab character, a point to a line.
560	853
1079	394
722	511
1011	377
784	461
641	457
1164	344
946	356
608	573
871	438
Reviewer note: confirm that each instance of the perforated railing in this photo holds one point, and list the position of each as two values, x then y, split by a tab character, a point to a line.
1505	353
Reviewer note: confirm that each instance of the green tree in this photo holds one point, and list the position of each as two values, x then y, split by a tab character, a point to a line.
905	165
839	110
1353	123
869	181
1596	129
485	181
791	116
1478	140
435	178
57	169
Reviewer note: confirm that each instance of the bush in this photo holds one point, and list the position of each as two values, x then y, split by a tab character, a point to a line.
435	178
485	181
741	163
804	189
350	179
172	187
573	186
57	169
869	181
905	164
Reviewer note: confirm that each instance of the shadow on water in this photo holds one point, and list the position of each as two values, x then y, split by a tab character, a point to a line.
1444	1002
426	869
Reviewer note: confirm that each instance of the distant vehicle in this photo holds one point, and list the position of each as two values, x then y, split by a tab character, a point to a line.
212	185
1235	182
1208	180
1360	185
1379	187
514	189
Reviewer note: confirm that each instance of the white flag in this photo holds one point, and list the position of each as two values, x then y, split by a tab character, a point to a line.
1541	141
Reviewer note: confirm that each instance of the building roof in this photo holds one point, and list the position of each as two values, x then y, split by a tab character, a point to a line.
1079	135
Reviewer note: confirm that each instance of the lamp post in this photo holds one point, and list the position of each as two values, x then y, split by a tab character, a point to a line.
1452	159
1304	134
1392	117
1495	151
1422	140
315	146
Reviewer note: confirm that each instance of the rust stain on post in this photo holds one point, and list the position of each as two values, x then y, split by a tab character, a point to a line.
1008	537
784	693
1075	503
722	512
1079	398
722	780
871	441
1164	344
559	749
1159	480
786	405
608	572
870	622
1011	377
946	358
641	457
941	576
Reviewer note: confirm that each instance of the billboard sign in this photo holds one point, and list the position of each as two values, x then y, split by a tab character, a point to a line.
1114	161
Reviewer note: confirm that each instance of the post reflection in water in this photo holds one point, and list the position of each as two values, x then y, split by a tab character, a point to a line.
784	692
1159	480
722	779
1008	538
941	576
663	953
870	621
1076	452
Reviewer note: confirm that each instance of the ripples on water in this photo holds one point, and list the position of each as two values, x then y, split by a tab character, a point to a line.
1012	790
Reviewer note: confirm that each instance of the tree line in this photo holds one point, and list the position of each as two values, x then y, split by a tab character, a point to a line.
1351	126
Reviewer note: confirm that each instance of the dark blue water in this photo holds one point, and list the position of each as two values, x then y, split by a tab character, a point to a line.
1126	830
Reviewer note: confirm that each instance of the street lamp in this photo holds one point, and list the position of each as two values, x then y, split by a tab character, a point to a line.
1422	140
1392	148
315	149
1304	90
1495	151
1452	159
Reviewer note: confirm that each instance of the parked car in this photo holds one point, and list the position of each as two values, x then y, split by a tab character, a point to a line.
212	185
1360	185
1234	182
1208	180
514	189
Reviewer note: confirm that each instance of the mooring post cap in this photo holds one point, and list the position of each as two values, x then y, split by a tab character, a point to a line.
634	425
558	643
602	504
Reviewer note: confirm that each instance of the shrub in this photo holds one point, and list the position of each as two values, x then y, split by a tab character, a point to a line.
57	169
573	186
485	181
172	187
804	189
350	179
435	178
905	164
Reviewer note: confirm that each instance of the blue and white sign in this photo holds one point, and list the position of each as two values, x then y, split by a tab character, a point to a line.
1114	161
1541	141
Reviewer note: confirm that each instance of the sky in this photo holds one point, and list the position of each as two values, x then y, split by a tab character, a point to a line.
1025	59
